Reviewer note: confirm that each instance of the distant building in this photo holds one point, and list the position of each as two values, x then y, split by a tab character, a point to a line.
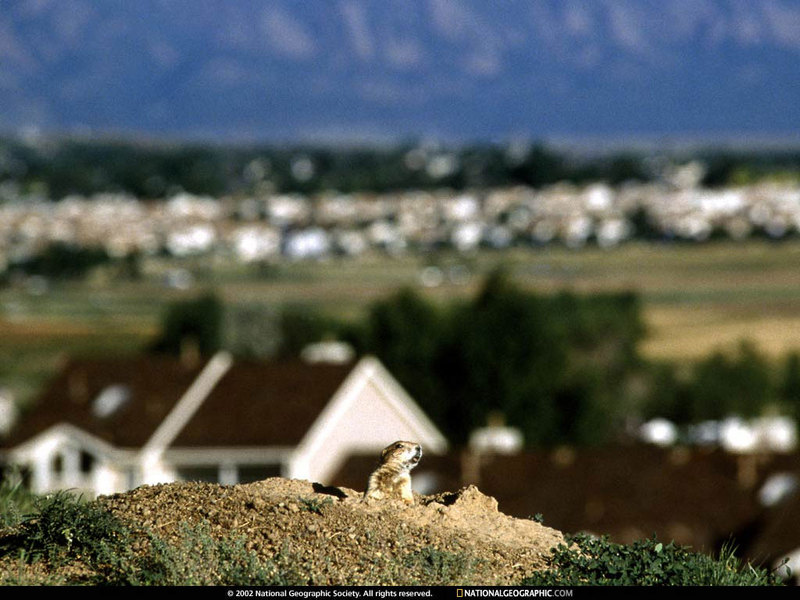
105	426
734	434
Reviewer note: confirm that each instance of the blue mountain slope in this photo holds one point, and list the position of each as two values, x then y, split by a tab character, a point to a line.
456	69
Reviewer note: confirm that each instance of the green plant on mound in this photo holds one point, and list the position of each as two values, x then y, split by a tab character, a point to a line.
585	560
71	541
197	558
64	527
432	566
313	505
423	566
15	500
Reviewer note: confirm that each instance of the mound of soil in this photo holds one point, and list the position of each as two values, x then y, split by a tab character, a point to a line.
335	538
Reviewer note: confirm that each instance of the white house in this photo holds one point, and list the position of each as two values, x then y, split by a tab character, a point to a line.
106	426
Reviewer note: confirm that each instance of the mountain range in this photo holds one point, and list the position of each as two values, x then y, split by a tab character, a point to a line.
385	70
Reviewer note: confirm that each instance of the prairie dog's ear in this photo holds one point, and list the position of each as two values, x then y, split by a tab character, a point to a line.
385	452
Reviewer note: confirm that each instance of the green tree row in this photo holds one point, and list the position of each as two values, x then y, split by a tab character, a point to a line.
563	368
743	383
58	168
557	367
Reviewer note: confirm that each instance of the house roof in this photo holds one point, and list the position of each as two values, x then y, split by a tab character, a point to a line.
254	404
258	404
154	384
693	497
775	532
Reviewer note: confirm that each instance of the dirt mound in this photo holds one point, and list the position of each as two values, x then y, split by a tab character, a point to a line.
334	538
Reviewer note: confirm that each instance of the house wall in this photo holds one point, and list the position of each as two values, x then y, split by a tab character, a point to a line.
58	461
364	422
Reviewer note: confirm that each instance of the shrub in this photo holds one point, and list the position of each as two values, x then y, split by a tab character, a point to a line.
15	501
591	561
63	261
431	566
200	559
101	549
425	566
198	320
313	505
64	527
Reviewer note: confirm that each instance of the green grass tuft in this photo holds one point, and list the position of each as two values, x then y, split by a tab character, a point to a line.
100	549
585	560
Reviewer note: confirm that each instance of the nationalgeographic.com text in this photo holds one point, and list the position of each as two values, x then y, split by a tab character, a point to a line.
514	593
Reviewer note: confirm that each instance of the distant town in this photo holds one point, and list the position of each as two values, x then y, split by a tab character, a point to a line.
295	226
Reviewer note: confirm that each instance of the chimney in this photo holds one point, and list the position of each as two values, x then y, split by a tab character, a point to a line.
78	387
747	470
332	352
496	437
470	467
190	356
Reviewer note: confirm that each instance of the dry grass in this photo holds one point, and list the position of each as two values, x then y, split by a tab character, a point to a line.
676	333
696	299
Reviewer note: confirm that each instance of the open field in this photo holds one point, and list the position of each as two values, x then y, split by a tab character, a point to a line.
696	298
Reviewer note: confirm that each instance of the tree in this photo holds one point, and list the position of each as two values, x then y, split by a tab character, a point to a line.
555	367
252	331
299	326
61	260
790	385
196	322
504	354
669	395
723	385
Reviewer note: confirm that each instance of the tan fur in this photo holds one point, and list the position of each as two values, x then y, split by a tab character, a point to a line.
392	478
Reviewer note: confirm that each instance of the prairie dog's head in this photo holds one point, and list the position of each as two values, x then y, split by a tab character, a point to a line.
405	455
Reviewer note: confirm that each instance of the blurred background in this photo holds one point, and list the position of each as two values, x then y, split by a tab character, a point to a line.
570	230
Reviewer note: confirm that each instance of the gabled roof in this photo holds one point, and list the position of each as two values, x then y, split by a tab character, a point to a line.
154	385
253	404
263	404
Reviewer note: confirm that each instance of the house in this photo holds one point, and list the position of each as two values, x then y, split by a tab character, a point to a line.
108	425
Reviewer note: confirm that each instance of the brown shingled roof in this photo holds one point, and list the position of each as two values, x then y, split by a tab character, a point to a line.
263	404
693	497
155	383
254	404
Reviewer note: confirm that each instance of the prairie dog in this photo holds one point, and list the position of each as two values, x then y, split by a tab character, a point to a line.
392	478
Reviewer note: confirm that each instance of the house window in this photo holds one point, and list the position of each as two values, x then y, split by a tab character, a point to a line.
208	474
251	473
57	464
240	474
87	462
